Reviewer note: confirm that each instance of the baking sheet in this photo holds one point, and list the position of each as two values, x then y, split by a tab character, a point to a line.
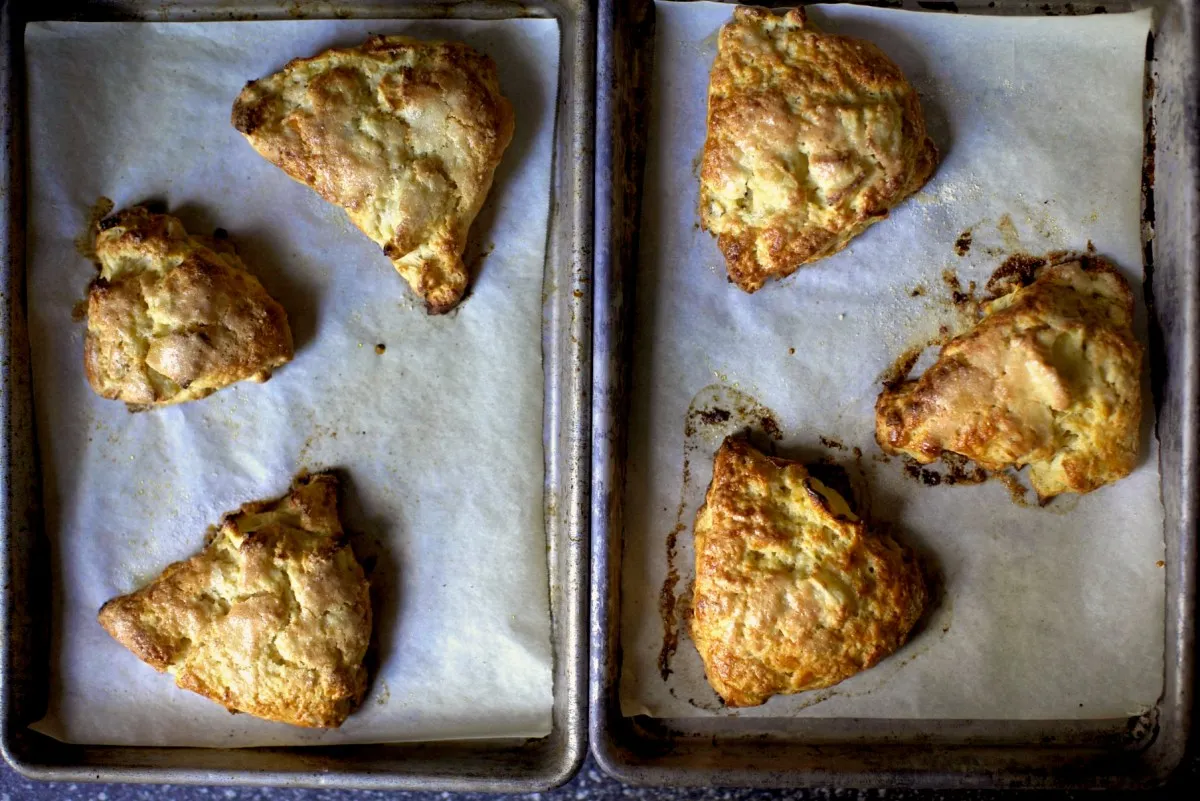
439	436
1045	613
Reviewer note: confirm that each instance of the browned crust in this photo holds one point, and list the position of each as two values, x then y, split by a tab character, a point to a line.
174	317
793	592
1050	377
272	618
404	135
785	180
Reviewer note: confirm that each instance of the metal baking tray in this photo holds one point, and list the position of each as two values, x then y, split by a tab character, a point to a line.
846	752
515	765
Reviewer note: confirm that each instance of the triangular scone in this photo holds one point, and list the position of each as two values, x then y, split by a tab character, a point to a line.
174	317
812	137
792	591
1051	377
272	618
403	134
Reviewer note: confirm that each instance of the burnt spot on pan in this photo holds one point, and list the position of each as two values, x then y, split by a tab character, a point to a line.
1016	490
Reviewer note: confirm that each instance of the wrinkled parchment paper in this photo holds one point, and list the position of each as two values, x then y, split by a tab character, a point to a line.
1046	613
439	436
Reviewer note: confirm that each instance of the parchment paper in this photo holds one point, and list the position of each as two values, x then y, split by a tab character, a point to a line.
1046	613
439	437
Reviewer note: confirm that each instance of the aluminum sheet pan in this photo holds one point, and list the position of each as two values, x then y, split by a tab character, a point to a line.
475	765
863	752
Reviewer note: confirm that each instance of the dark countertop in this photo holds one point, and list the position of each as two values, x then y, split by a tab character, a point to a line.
590	785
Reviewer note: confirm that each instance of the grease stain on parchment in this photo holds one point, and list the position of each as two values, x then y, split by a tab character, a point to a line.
715	412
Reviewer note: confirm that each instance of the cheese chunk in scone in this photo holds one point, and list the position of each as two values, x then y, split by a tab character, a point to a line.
811	138
403	134
174	317
1050	377
272	618
793	592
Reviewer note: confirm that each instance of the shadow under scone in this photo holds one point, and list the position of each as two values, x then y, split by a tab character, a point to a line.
793	592
272	618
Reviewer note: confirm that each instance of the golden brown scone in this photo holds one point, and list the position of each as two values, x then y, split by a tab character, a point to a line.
811	138
792	591
271	618
174	317
403	134
1050	377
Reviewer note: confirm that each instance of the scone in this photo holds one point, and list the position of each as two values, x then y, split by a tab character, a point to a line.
792	592
811	138
403	134
174	317
1050	377
271	618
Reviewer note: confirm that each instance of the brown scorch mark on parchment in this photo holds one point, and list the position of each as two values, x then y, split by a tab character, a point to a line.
713	417
956	469
962	245
897	372
963	299
1017	270
667	602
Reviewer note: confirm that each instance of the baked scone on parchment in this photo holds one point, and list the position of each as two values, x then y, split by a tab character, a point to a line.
811	138
403	134
1050	377
793	592
173	317
272	618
